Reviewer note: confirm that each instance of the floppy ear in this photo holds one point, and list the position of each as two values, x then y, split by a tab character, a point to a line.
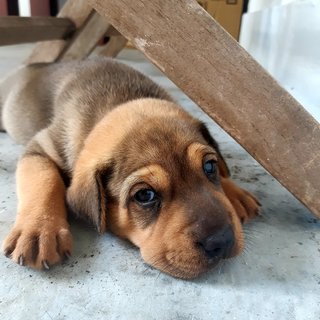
86	196
223	168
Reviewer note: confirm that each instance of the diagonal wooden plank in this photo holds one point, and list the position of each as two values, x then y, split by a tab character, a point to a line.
14	30
228	84
86	38
112	32
78	12
113	47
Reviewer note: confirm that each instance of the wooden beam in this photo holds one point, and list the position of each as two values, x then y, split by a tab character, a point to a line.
113	46
228	84
78	12
15	30
86	38
112	32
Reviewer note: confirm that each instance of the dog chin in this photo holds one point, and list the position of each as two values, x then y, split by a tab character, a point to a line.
193	273
189	271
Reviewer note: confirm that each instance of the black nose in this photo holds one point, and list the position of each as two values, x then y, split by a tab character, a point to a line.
219	244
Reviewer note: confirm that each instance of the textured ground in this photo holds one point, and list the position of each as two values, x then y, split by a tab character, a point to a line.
278	276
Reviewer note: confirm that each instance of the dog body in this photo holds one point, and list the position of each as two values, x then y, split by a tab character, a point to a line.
112	146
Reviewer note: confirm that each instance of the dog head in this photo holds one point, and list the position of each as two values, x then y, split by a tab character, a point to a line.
151	173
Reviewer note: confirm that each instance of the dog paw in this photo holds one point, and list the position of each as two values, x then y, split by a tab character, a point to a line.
245	203
38	245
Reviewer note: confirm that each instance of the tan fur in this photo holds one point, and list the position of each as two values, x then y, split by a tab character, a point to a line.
41	233
98	132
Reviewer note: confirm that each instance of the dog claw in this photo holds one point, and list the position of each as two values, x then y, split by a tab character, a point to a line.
21	261
67	254
45	264
259	212
7	253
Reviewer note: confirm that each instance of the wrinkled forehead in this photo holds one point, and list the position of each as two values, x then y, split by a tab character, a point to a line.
142	131
158	169
161	137
160	165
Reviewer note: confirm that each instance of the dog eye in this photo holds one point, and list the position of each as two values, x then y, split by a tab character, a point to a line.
145	197
209	168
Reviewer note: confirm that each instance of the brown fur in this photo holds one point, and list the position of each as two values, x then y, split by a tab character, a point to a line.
97	133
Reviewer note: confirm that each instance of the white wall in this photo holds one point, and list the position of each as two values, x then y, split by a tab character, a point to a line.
24	8
285	40
257	5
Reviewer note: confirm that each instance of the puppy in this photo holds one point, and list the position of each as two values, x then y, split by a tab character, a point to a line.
107	144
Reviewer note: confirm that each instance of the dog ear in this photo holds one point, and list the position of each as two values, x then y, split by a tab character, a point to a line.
86	196
222	165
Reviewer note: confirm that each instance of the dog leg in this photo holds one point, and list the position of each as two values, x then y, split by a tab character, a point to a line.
40	236
246	204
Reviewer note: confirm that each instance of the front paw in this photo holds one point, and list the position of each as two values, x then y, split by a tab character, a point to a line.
38	245
245	203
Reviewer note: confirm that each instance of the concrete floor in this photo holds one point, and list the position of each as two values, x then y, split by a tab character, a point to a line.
278	276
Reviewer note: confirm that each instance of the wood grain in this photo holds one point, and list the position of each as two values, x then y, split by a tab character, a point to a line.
113	47
228	84
15	30
112	32
86	38
78	12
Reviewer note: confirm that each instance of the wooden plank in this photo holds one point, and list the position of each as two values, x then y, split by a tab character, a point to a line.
14	30
78	12
228	84
86	38
112	32
113	47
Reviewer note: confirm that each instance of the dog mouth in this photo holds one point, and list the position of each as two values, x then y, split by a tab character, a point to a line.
192	259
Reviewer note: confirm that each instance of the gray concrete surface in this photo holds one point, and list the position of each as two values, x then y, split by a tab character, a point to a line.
277	277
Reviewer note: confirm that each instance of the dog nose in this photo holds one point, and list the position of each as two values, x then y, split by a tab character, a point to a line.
219	244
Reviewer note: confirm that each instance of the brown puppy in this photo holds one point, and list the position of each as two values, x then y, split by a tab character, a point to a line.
112	146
